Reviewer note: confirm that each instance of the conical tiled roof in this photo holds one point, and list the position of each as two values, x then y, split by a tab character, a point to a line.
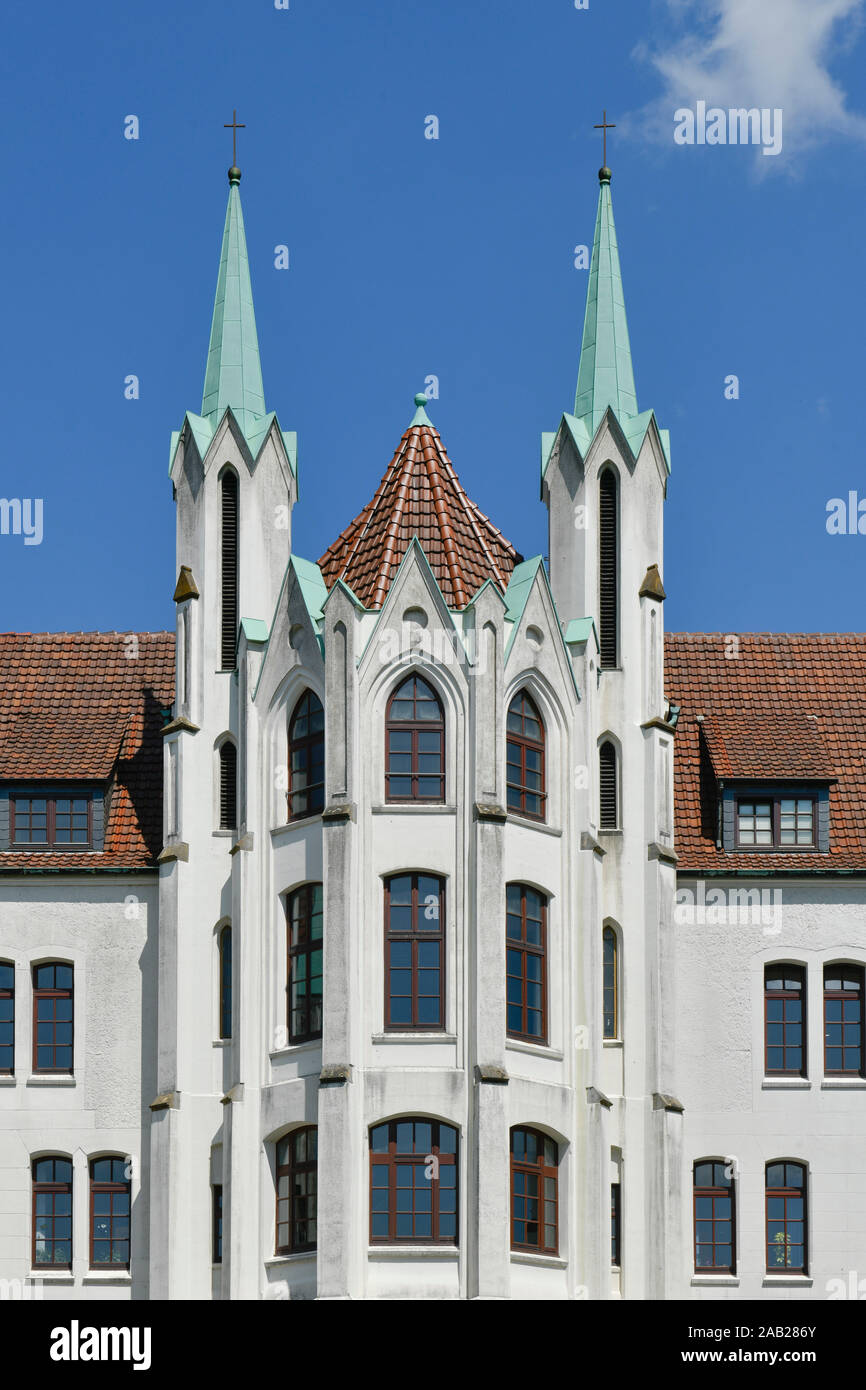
420	495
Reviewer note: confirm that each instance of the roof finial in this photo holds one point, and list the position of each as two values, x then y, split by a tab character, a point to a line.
234	127
421	416
604	172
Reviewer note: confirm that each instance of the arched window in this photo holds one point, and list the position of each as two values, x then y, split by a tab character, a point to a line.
414	952
607	787
52	1213
715	1231
413	1183
415	742
52	1017
608	569
7	1018
307	757
225	953
229	576
843	1020
534	1200
297	1184
785	1020
610	968
110	1196
526	963
304	955
787	1230
228	785
524	752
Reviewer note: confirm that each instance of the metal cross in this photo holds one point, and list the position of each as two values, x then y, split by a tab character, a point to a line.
234	127
605	127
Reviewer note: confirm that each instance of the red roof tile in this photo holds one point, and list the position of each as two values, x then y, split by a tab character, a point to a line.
87	706
803	691
420	495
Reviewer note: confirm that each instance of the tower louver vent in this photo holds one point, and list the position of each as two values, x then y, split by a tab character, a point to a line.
608	579
229	596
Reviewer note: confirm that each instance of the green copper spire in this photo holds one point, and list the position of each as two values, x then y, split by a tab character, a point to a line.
605	377
234	373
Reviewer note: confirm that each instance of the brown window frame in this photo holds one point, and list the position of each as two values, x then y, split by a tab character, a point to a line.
415	936
721	1188
292	1169
304	950
525	745
785	970
544	1171
851	970
313	793
774	801
610	991
393	1159
113	1188
414	727
51	841
8	992
41	1187
526	949
788	1193
54	992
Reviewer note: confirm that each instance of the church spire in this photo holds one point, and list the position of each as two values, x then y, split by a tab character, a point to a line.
234	374
605	377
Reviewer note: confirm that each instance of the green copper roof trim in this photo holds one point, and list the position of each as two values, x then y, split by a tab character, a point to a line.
523	577
255	630
255	435
634	430
314	590
605	376
580	630
233	375
421	417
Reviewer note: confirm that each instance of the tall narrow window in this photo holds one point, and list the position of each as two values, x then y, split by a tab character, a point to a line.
225	952
843	1020
610	983
414	952
413	1183
7	1018
229	595
304	980
607	789
524	749
785	1020
110	1197
415	743
534	1172
526	963
228	786
52	1213
52	1018
715	1245
787	1230
217	1224
307	757
297	1182
615	1224
608	569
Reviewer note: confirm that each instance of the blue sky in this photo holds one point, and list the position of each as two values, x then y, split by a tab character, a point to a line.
452	257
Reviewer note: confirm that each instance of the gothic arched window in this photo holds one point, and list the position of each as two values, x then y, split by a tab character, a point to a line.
228	785
229	569
415	743
608	809
608	569
307	757
610	968
225	955
524	753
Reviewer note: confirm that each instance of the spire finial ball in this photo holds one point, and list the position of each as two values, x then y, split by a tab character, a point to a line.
420	399
604	174
234	174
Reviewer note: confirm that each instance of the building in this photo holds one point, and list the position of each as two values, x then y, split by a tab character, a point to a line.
447	973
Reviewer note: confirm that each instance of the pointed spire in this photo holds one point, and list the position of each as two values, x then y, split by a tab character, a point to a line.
605	377
234	373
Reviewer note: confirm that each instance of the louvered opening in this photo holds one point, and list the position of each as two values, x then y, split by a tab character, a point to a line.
228	787
608	577
229	594
607	787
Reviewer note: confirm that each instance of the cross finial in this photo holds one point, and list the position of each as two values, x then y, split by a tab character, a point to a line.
605	126
234	126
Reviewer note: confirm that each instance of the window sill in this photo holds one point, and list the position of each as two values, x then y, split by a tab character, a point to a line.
786	1281
841	1083
414	1038
534	1049
59	1080
786	1083
413	1252
221	1042
276	1261
611	1042
525	1257
527	822
300	824
293	1049
98	1276
414	808
8	1081
715	1281
45	1276
610	830
222	834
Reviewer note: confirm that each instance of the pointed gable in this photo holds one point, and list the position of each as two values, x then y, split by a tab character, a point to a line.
420	495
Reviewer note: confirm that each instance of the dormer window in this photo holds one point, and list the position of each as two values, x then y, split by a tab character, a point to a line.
776	822
53	821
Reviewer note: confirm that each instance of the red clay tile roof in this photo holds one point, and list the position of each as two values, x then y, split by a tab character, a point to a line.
777	681
420	495
87	706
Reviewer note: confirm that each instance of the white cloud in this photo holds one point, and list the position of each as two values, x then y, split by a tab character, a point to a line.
758	53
